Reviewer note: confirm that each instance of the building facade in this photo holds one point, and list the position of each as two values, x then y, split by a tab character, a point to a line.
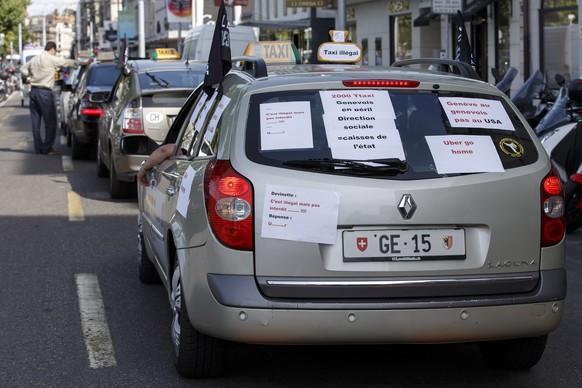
526	35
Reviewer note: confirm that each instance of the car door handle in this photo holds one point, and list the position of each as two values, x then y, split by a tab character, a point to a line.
170	191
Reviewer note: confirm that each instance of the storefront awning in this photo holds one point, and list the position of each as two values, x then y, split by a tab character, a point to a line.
470	10
286	25
424	19
474	7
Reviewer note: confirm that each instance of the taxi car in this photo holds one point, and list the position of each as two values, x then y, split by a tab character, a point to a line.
85	109
347	204
144	101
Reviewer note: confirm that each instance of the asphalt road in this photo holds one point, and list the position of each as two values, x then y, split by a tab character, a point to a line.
60	231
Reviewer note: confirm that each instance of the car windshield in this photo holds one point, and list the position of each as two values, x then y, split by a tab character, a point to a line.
169	79
403	135
102	76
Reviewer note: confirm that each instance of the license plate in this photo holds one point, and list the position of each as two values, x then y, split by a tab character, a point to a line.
404	245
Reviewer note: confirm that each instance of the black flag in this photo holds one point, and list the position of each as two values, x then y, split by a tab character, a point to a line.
464	52
122	58
219	61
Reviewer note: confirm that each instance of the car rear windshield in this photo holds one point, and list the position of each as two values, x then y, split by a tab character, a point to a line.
103	76
169	79
169	98
380	133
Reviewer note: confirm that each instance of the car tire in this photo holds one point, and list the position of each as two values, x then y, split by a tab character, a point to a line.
118	189
78	150
102	170
514	354
196	354
147	271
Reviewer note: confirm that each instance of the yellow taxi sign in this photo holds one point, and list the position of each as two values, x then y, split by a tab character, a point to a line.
84	54
339	50
105	56
165	53
274	51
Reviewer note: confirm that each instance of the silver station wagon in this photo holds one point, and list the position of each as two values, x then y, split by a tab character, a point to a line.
346	204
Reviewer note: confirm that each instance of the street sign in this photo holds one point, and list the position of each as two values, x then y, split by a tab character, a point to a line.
447	6
309	3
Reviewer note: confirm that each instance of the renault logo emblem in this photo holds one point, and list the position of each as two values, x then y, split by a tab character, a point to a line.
407	206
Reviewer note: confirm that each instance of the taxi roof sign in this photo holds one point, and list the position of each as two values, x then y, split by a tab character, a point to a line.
339	50
84	54
283	51
105	56
165	54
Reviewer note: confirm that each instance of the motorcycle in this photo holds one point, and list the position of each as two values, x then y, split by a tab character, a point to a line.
534	99
3	94
561	136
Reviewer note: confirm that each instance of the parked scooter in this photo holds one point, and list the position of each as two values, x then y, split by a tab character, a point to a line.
534	99
3	94
561	136
505	83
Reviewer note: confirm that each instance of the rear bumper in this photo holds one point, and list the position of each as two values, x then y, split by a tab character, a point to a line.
234	309
86	132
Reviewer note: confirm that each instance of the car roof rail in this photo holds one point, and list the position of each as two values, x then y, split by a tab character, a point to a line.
255	66
442	65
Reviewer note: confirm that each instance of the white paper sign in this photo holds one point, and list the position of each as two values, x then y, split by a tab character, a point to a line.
476	113
197	108
464	154
286	125
184	192
204	112
222	104
366	144
298	214
360	125
355	102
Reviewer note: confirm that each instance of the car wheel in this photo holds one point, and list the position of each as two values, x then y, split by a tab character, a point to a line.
514	354
102	170
78	151
117	188
196	354
147	271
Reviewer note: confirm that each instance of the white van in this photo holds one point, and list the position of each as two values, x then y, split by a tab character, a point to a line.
27	54
199	39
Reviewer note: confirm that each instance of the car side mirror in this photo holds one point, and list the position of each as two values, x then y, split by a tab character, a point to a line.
137	145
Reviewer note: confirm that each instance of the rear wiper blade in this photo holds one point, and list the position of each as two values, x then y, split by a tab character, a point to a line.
369	166
160	81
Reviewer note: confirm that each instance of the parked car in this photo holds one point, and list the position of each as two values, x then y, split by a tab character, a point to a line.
145	100
67	89
347	204
85	107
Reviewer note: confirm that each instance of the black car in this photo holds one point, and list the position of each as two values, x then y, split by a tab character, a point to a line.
86	110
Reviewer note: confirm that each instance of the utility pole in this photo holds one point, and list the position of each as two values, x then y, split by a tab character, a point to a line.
141	29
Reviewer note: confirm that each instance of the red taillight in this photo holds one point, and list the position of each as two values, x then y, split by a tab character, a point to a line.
229	205
132	122
552	195
92	112
381	83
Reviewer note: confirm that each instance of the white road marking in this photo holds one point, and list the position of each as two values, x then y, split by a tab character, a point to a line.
94	322
68	163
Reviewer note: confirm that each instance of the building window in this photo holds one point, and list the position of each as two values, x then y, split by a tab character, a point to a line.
560	35
378	51
502	20
365	52
401	32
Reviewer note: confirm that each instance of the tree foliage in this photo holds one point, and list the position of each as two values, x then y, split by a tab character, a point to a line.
12	14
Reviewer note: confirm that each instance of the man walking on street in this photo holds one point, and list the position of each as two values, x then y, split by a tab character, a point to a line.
40	73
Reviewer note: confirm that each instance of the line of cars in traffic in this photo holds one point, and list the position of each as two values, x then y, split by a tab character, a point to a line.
108	100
